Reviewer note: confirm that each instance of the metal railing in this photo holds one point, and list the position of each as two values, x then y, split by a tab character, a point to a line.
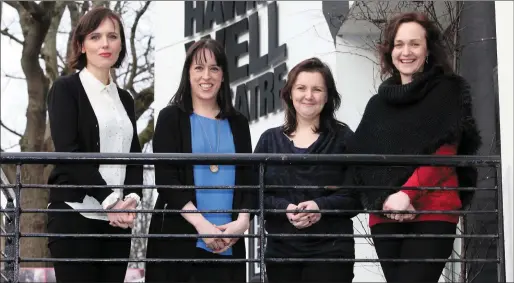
12	259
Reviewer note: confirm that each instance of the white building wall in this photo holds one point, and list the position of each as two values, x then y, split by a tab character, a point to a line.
504	43
303	27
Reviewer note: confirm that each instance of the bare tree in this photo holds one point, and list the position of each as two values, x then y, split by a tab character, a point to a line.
42	63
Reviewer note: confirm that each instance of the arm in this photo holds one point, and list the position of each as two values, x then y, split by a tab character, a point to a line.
166	139
270	201
430	176
343	198
134	173
63	117
250	199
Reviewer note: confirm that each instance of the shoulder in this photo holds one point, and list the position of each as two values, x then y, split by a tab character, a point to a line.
66	81
124	94
343	130
238	118
450	83
170	111
271	134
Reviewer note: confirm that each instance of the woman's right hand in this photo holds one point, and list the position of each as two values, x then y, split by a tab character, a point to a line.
207	228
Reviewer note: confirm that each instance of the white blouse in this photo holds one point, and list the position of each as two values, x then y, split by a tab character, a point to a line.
116	132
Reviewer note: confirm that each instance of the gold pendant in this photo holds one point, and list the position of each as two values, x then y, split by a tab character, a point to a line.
214	168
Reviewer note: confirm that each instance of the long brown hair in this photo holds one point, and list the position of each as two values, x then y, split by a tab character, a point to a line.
438	55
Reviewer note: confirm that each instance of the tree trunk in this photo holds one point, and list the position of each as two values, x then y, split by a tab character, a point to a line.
35	26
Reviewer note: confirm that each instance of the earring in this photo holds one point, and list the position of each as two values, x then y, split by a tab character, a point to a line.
426	59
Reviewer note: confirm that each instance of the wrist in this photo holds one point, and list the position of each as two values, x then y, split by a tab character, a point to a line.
402	193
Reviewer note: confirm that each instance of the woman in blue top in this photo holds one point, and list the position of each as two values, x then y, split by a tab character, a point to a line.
201	119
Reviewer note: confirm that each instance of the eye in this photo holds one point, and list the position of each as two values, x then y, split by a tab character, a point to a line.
198	68
215	69
94	37
113	36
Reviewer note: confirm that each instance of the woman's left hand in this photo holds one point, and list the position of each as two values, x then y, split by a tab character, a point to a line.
237	227
396	201
305	219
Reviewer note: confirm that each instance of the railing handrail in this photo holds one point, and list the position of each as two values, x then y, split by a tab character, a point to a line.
247	158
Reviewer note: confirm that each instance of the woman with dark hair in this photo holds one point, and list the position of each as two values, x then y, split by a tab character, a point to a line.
311	99
421	108
88	113
201	119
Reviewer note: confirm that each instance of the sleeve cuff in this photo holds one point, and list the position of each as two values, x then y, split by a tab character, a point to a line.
320	202
135	197
413	194
111	200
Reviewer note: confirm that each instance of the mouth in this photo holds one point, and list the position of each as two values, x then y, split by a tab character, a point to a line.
407	61
106	55
206	87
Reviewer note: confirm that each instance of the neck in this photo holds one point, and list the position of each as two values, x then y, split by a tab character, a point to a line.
207	108
101	74
406	79
306	125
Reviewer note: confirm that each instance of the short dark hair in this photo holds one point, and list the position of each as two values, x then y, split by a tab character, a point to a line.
183	98
86	25
327	121
438	55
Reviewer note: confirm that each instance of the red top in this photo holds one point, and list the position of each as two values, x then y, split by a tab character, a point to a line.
431	176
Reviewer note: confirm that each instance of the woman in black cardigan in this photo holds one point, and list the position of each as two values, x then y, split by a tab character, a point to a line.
88	113
311	99
201	119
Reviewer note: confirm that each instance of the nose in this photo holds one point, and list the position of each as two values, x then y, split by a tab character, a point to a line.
406	50
308	94
105	42
206	74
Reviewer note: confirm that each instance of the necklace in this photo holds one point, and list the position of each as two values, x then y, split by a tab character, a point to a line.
213	167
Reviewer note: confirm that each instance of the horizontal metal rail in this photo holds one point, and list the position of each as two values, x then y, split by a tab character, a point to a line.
249	159
12	235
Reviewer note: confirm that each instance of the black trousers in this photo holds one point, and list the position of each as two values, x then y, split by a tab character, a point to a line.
75	248
309	272
196	272
413	248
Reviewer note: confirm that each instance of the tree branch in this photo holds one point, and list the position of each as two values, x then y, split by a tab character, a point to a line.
143	100
130	84
10	130
36	11
146	135
5	32
13	4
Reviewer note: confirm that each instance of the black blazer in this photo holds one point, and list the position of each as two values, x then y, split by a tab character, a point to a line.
74	128
173	135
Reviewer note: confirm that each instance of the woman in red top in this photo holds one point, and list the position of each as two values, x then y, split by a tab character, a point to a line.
421	108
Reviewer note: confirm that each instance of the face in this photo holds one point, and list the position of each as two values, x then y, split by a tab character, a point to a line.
309	95
410	50
102	46
205	75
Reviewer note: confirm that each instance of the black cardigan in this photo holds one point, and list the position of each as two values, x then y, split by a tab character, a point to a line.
173	135
74	128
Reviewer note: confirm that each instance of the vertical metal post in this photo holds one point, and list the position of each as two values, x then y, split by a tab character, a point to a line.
500	251
262	169
9	241
17	218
